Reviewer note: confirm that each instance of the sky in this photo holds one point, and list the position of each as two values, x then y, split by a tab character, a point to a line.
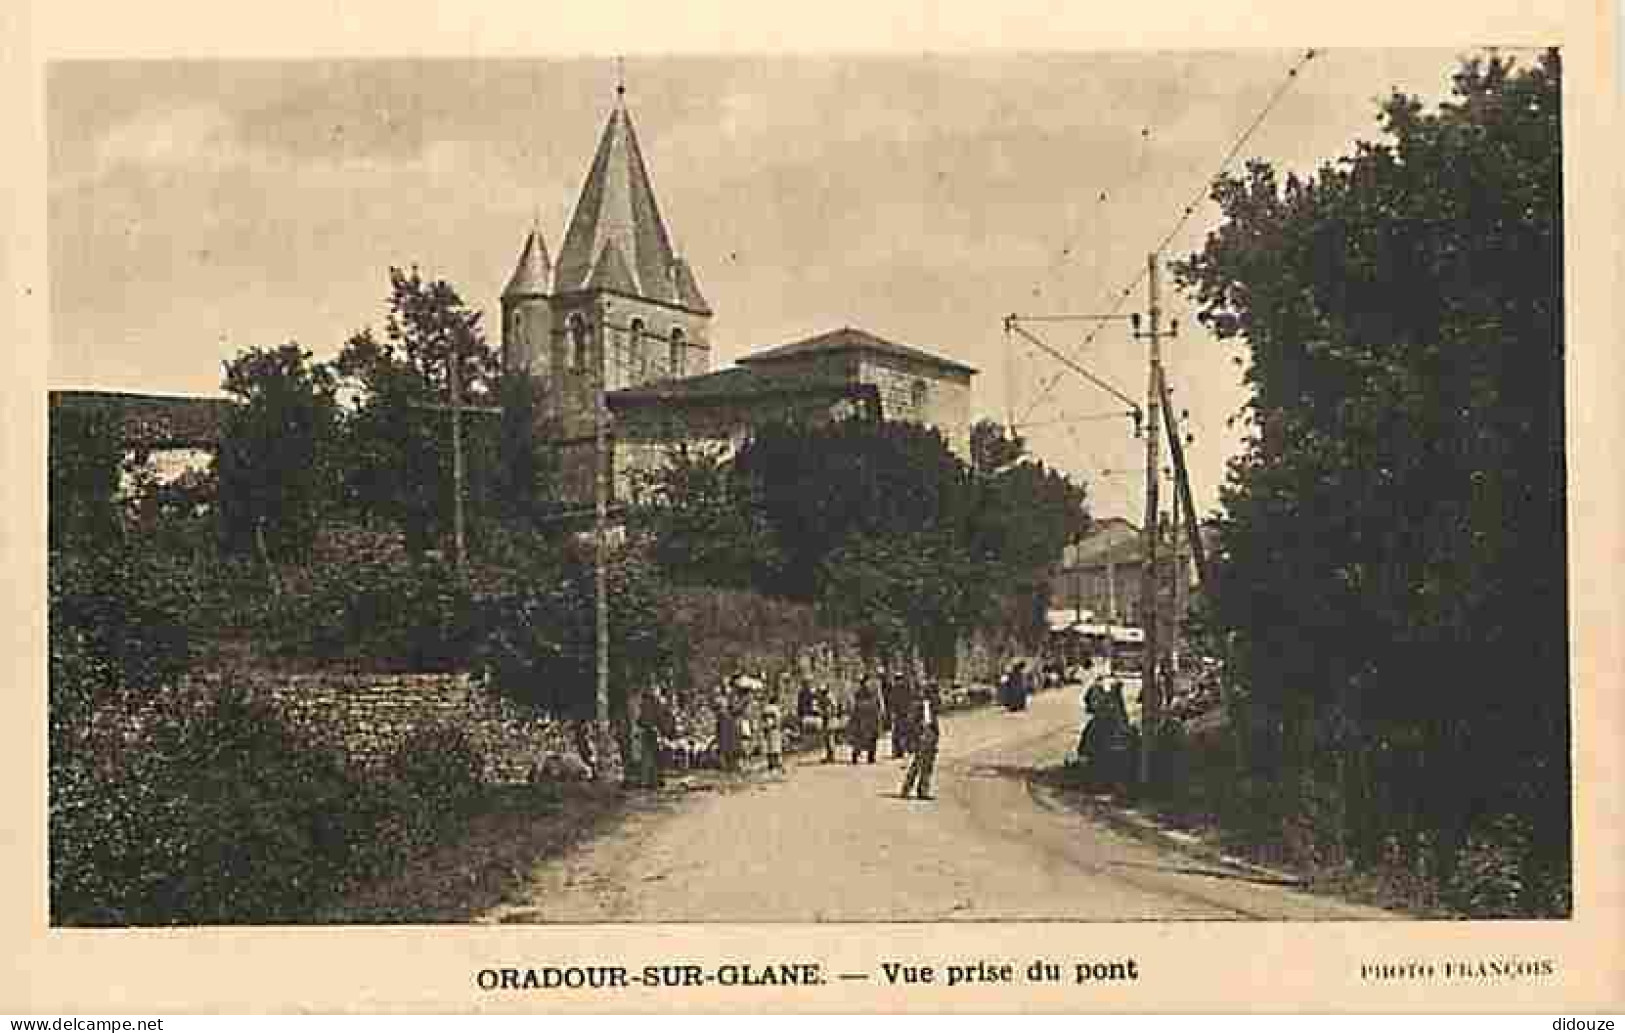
197	208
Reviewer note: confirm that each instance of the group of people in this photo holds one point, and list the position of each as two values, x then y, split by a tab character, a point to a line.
909	709
750	720
735	706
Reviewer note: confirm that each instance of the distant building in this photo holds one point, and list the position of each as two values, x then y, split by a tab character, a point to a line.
1101	573
1104	574
623	305
168	435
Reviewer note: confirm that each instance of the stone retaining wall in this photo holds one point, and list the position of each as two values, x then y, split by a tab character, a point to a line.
369	716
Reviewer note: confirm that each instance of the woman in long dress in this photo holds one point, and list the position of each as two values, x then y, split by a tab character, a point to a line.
863	731
727	733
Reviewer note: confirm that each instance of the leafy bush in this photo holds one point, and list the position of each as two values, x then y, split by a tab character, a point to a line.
439	770
1499	874
221	814
537	633
392	613
122	613
212	812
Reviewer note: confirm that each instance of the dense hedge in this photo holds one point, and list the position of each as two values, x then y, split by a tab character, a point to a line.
382	613
217	813
174	805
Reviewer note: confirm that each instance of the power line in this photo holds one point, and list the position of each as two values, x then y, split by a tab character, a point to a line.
1068	420
1073	366
1184	217
1241	141
1139	166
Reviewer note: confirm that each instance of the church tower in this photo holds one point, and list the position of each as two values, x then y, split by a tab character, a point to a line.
623	306
527	315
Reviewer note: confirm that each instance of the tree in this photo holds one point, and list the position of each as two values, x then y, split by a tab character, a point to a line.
85	463
1026	515
397	438
993	447
427	323
879	524
539	643
275	465
523	481
1392	547
818	487
702	524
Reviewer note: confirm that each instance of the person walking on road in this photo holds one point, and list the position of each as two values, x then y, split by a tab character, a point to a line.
773	733
928	733
900	700
824	701
891	695
863	730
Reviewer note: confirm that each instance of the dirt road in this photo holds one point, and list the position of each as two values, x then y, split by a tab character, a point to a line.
835	843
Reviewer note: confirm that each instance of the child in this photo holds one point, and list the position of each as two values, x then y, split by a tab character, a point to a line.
773	734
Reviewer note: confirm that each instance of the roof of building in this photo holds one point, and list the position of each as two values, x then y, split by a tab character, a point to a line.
851	339
1105	534
152	421
1116	542
731	383
617	205
534	271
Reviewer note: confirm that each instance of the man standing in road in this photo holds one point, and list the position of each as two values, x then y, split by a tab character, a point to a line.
900	706
655	722
927	734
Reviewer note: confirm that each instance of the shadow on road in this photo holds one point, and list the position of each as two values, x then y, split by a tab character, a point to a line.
503	838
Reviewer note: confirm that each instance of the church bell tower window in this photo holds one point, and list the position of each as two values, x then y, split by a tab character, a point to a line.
578	342
638	359
678	353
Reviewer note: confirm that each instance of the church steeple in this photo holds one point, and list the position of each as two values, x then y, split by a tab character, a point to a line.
535	270
617	217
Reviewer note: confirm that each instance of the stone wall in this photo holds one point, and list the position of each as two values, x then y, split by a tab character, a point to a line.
917	392
369	716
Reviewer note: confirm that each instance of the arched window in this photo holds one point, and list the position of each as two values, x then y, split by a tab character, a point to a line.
639	357
921	392
518	354
578	342
679	353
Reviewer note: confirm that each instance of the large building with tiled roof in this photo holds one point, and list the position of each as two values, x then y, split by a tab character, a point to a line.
622	309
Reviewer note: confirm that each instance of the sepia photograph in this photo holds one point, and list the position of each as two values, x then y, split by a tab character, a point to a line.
1039	486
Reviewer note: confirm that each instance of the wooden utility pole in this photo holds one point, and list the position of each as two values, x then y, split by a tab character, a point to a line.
454	365
1183	484
1150	680
601	467
1181	590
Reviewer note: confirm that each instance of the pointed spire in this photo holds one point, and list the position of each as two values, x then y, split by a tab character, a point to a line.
610	272
688	288
534	271
617	205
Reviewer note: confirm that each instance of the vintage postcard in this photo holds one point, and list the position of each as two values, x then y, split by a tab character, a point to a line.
978	512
